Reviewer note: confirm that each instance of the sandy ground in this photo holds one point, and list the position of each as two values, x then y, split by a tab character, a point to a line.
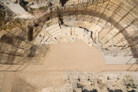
72	56
61	57
76	56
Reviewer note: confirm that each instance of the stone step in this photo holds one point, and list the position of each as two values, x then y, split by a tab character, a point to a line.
44	39
119	59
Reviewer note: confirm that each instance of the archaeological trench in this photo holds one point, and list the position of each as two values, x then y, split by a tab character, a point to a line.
68	45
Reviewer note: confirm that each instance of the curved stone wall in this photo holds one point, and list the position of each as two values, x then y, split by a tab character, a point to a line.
114	21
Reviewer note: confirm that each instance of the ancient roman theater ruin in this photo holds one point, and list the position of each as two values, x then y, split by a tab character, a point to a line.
68	45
